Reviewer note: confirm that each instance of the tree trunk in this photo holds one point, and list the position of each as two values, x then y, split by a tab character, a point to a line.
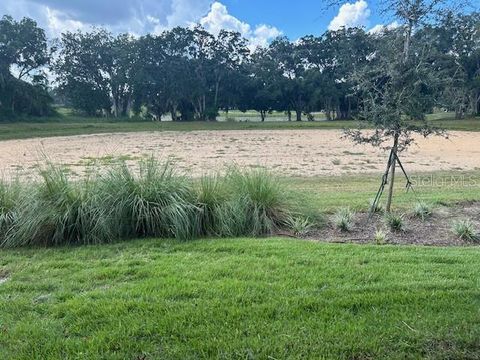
299	114
263	115
328	115
217	86
289	115
392	174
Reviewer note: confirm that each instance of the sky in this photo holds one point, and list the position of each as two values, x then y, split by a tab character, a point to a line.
258	20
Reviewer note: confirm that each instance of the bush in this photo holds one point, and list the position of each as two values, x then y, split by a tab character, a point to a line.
57	211
422	211
258	204
152	202
343	219
299	225
465	230
381	237
9	197
377	208
395	222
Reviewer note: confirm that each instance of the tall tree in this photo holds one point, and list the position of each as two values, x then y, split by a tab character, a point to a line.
23	56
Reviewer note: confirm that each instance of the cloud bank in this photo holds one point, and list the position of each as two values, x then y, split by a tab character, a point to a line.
218	18
134	16
351	15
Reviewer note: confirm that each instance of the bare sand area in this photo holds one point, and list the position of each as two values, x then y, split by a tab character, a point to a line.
287	152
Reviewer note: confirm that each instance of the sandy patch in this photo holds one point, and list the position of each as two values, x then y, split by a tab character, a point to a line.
289	152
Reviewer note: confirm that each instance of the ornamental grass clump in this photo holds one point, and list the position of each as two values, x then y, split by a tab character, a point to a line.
257	204
154	202
58	211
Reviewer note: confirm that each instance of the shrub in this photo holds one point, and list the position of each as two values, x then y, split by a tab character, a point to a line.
465	230
381	237
395	222
58	211
9	197
299	225
258	204
211	194
422	211
343	219
154	202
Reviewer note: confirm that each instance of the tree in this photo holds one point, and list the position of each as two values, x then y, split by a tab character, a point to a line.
23	55
81	70
95	71
457	59
397	90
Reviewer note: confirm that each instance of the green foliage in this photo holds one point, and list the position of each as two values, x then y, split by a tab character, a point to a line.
422	210
151	201
57	211
23	46
378	208
154	202
465	230
381	237
9	197
395	222
257	204
299	225
343	219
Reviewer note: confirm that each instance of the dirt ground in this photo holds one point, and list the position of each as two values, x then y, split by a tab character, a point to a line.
290	153
434	231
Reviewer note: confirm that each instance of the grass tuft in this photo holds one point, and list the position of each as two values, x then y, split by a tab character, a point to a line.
381	237
343	219
465	230
395	222
155	201
150	201
300	225
422	210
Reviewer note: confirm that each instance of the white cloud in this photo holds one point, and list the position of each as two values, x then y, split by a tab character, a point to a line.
380	28
134	16
351	15
58	23
263	34
219	18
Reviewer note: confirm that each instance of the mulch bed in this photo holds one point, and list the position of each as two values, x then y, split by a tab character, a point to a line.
434	231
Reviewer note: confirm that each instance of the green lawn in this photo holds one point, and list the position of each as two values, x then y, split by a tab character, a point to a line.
240	299
71	125
331	192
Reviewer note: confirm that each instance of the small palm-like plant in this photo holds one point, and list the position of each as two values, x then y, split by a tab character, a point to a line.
465	230
381	237
395	222
299	225
422	211
343	219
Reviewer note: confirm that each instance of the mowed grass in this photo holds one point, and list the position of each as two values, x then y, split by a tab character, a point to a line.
69	125
240	299
357	191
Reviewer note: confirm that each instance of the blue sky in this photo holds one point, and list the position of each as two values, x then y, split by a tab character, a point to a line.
294	17
258	20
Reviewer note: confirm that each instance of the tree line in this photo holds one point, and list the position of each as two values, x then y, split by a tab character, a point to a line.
190	74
